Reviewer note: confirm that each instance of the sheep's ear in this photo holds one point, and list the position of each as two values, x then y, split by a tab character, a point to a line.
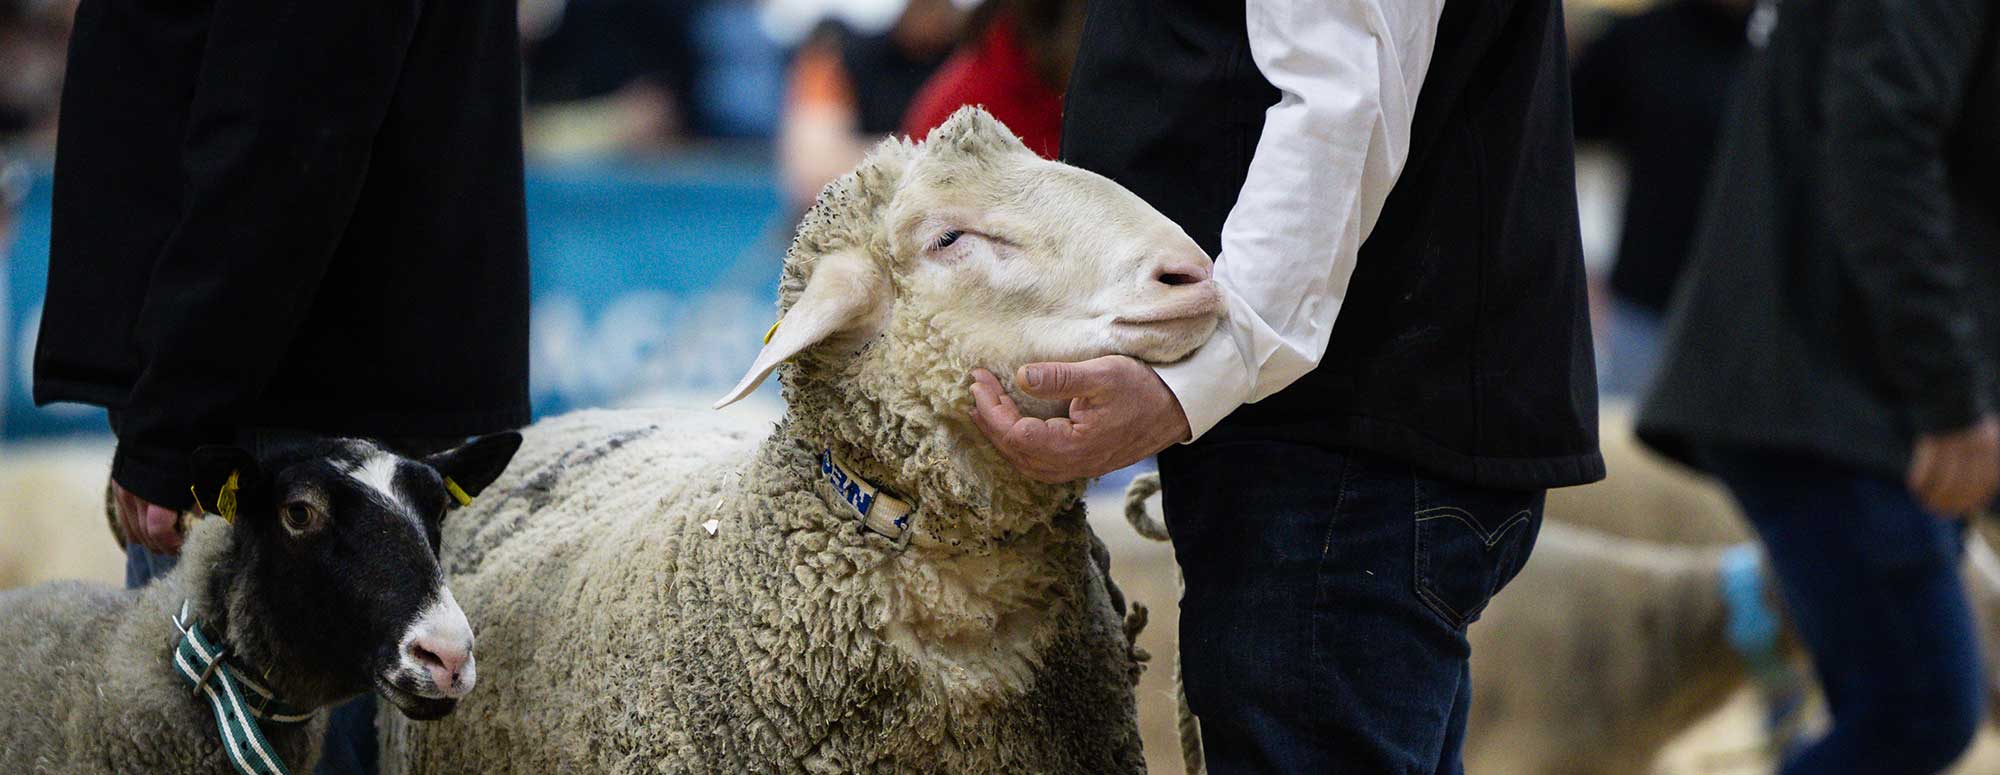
845	296
473	465
224	477
972	131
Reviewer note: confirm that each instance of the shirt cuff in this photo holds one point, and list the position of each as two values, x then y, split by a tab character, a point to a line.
1211	383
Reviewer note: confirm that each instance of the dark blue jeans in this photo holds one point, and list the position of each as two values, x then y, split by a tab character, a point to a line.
1323	626
1871	582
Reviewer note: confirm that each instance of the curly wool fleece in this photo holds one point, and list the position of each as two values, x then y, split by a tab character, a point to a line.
85	688
617	635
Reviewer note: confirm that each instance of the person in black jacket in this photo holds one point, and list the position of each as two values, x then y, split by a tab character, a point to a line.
284	214
1832	350
1405	370
1654	87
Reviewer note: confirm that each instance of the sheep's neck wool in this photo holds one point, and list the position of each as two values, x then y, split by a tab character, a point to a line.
205	667
881	513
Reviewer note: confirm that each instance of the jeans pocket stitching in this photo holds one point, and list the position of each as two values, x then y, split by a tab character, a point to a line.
1490	538
1423	576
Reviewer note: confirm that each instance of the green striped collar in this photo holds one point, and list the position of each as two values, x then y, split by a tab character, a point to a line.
238	700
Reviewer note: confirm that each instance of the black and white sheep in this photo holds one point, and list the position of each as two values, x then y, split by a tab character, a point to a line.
323	584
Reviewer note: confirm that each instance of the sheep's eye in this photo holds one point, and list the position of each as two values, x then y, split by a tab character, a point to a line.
300	516
946	239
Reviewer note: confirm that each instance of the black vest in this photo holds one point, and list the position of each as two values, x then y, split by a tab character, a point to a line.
1463	347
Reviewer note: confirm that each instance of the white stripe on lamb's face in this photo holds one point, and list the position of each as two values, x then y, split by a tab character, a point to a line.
436	651
378	472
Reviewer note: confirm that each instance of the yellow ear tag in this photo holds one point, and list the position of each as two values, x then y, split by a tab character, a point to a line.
457	493
225	500
774	330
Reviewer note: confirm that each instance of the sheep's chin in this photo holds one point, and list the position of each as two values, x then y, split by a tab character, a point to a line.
416	707
1162	342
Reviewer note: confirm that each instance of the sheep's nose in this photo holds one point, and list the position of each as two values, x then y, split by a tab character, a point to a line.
1180	271
447	661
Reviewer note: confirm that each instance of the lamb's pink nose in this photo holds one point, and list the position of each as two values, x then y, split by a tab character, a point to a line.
449	663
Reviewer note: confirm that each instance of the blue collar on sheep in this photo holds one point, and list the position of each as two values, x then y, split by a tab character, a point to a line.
880	513
206	666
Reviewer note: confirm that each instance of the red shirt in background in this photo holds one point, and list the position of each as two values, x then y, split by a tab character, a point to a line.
995	74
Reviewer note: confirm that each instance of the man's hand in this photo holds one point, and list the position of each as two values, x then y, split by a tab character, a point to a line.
1119	413
155	527
1957	473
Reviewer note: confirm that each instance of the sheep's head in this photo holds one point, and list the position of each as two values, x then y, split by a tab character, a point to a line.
1004	257
339	583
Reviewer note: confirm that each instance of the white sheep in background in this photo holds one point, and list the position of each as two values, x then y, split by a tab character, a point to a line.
1599	653
324	585
666	592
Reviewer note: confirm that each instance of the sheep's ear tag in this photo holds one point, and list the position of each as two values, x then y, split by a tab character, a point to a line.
225	498
457	492
772	331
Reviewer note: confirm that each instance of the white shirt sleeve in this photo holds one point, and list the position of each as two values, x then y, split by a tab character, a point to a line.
1348	73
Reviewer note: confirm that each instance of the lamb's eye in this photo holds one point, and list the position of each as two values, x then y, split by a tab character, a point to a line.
300	516
946	239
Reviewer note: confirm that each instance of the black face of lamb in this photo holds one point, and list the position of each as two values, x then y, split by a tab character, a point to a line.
338	548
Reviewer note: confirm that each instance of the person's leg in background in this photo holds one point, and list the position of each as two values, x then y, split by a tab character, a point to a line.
1322	627
1636	337
1871	582
142	566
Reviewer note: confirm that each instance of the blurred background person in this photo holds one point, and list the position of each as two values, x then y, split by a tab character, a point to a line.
1015	62
1652	87
1833	349
625	68
847	90
33	36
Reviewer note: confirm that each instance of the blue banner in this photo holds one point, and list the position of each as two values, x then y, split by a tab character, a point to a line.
651	282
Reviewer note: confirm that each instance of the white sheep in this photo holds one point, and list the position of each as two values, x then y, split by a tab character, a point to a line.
323	584
663	592
1599	653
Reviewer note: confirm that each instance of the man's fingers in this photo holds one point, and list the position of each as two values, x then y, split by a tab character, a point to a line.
1043	439
163	529
1056	381
991	407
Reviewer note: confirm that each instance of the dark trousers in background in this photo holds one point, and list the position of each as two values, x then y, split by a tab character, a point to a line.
1871	582
1323	626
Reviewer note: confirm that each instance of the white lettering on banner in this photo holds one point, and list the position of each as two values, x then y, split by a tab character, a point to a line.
643	342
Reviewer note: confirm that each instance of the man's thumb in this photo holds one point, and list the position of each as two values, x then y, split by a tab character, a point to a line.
1057	380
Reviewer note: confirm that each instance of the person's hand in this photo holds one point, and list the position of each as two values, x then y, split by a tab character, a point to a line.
1119	413
1956	473
155	527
